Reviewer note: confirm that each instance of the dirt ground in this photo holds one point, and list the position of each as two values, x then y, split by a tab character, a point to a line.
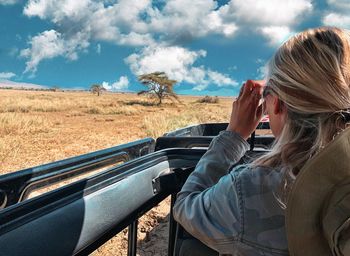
38	127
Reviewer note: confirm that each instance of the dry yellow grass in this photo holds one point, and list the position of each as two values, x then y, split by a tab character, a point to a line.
22	124
41	127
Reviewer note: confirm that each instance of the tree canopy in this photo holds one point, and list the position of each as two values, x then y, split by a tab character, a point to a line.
159	85
97	89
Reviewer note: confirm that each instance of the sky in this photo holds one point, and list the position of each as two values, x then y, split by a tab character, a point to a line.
209	47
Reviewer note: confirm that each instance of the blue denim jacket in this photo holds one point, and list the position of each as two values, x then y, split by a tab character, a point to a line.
234	211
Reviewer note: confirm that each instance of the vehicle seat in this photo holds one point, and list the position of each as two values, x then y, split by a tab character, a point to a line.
187	245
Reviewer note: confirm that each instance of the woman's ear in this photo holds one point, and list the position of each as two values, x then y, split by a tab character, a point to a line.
278	106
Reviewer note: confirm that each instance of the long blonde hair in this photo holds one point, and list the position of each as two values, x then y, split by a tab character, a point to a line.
310	74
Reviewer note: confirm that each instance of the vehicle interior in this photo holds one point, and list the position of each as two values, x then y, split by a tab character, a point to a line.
78	218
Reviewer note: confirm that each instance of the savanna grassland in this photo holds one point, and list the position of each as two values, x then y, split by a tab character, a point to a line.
37	127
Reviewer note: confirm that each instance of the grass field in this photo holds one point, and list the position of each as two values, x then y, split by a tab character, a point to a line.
39	127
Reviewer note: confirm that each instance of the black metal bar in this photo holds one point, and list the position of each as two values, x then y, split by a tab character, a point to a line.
16	186
252	141
172	227
262	141
182	142
132	238
209	129
201	135
89	212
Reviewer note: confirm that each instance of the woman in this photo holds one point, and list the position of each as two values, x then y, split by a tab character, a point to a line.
241	211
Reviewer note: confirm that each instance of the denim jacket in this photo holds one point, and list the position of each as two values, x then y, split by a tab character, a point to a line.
234	211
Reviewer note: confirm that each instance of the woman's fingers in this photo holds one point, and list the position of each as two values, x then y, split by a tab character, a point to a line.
241	90
259	113
248	86
260	82
247	110
255	96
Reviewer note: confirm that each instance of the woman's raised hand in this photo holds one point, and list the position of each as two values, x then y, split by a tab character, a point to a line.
247	110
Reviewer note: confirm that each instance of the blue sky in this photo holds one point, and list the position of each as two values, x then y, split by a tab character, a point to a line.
209	47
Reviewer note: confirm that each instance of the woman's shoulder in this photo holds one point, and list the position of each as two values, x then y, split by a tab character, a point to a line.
258	185
255	170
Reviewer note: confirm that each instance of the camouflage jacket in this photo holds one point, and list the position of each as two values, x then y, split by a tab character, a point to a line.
233	210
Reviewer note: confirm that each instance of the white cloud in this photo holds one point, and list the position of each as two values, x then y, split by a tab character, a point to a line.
58	11
126	22
338	15
337	19
276	34
340	5
135	39
8	2
214	78
106	86
221	79
173	60
119	85
123	83
6	75
50	44
119	23
141	23
267	12
179	64
274	19
262	71
188	19
79	22
113	21
200	87
47	44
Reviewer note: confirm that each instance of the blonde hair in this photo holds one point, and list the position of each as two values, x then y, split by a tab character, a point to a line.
310	74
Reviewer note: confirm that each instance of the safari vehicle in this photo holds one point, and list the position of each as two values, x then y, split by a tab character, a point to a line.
78	218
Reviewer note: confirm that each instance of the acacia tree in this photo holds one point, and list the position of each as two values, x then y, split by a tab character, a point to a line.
97	89
159	85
